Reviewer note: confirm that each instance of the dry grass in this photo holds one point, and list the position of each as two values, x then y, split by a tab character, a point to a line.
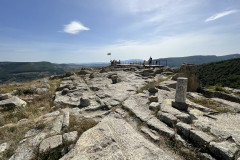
218	88
80	124
13	132
152	84
13	135
31	111
211	104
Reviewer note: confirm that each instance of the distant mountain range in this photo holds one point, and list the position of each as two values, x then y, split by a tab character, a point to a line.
178	61
23	71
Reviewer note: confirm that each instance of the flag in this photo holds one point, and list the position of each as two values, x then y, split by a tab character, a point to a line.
109	54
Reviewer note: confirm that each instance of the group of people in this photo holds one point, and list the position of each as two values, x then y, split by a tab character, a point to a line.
114	62
150	62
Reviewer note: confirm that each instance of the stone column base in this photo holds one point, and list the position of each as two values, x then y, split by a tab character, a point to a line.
180	106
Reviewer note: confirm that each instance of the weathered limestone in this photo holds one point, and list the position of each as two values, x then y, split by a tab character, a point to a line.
52	114
153	99
31	132
181	93
181	90
150	133
200	138
114	138
223	150
159	126
5	96
3	147
183	129
83	72
115	79
152	90
167	118
189	71
154	106
57	125
13	102
84	101
65	120
70	137
166	107
138	105
50	143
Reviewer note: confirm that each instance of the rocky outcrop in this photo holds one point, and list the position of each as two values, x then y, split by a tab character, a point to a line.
50	143
189	71
5	96
114	138
132	125
13	102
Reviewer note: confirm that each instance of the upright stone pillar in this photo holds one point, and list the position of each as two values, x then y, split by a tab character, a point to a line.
181	92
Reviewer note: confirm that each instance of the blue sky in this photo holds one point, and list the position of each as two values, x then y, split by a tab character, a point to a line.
77	31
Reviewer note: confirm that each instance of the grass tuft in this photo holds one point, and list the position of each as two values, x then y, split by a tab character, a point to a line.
152	84
211	104
219	88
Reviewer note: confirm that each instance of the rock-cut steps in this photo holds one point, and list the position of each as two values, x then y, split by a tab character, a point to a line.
179	126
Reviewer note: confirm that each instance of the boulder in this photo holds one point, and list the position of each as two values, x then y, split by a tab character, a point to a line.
183	129
167	118
46	85
3	147
153	90
153	99
84	101
92	75
5	96
68	74
83	72
115	79
65	91
154	106
70	137
147	72
31	132
103	70
224	150
200	138
50	143
13	102
41	90
57	125
52	114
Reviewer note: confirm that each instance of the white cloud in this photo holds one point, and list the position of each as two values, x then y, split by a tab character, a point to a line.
220	15
75	27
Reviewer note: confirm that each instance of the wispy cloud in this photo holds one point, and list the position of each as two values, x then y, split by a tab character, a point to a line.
75	27
220	15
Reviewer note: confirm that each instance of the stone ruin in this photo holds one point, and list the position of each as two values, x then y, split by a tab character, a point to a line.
189	71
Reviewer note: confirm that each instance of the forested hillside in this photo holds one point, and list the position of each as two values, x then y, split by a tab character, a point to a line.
22	71
225	73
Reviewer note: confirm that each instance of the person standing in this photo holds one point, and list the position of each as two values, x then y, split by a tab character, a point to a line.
150	61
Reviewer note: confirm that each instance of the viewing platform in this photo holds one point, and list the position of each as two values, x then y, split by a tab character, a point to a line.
137	65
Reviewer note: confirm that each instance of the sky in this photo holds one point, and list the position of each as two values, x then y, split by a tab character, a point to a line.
83	31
